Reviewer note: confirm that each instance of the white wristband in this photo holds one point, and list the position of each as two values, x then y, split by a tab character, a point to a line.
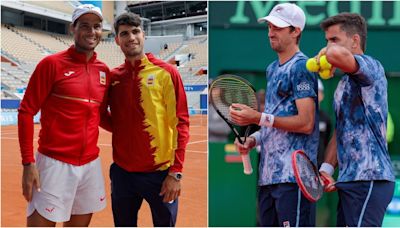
266	120
327	168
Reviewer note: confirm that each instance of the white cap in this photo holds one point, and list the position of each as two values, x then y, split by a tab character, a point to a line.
285	15
84	9
320	85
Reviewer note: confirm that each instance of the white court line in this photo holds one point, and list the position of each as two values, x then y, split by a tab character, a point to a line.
190	151
102	144
9	133
197	151
109	145
8	138
190	143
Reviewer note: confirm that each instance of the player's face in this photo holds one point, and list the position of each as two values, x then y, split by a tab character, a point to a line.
335	35
87	32
131	41
279	38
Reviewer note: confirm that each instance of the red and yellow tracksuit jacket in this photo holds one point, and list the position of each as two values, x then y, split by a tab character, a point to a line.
69	91
149	116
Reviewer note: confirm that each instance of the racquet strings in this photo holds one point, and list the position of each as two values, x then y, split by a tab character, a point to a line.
308	176
227	91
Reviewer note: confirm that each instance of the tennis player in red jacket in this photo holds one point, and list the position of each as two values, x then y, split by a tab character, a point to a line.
150	126
65	182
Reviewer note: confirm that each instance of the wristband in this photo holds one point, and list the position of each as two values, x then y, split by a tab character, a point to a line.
327	168
266	120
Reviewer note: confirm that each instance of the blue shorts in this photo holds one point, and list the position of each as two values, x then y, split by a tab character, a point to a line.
284	205
128	189
363	203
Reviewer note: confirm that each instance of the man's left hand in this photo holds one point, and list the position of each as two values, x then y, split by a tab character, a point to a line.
243	115
171	189
328	182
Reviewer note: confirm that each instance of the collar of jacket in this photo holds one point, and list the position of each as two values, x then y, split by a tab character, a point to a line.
139	64
80	57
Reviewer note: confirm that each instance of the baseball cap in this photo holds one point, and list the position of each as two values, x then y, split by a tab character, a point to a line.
84	9
285	15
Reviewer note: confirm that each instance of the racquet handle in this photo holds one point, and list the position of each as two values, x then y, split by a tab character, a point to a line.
247	169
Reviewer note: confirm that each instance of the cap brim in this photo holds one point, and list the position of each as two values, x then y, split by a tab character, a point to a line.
95	13
91	12
275	21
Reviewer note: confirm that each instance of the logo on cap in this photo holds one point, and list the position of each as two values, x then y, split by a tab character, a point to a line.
84	9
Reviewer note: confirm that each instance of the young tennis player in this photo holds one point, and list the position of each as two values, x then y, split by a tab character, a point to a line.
288	123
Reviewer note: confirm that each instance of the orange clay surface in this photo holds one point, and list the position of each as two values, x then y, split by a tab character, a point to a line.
192	202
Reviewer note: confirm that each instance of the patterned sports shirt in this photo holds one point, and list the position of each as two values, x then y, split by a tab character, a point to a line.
361	110
286	83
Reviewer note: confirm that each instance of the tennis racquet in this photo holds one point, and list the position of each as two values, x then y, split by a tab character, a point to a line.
307	176
226	90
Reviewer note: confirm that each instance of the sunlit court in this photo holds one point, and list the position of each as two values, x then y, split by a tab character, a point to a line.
193	200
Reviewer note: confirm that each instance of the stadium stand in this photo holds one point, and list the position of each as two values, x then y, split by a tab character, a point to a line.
61	6
25	44
110	53
169	49
46	41
13	77
19	46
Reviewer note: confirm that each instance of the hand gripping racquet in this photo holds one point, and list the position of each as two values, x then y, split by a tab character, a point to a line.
226	90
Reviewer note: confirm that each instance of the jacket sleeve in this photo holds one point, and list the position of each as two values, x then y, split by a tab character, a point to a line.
105	115
39	87
182	118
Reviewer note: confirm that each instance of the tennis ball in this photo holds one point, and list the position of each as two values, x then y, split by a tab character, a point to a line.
323	62
325	74
312	65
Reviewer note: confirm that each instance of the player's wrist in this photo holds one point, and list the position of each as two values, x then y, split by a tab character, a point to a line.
257	137
253	142
257	118
176	175
327	168
28	164
266	120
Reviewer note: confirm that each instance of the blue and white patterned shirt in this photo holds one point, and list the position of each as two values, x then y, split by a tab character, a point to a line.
286	84
361	110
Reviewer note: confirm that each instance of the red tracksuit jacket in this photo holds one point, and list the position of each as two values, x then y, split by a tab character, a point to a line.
68	91
149	115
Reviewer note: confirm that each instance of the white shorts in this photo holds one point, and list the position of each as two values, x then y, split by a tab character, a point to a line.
67	189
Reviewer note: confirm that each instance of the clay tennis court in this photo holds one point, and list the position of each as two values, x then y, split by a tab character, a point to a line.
193	200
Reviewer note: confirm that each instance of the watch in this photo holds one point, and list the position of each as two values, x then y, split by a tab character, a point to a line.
177	175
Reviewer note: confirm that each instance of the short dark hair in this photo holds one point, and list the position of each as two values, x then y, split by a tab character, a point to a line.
127	18
351	23
292	28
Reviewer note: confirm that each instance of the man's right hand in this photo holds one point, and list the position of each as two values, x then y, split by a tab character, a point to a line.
328	182
30	180
247	146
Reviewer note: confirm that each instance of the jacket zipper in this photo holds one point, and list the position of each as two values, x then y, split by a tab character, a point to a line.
131	104
86	117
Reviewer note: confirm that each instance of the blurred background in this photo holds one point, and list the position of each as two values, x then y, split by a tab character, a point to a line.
239	45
